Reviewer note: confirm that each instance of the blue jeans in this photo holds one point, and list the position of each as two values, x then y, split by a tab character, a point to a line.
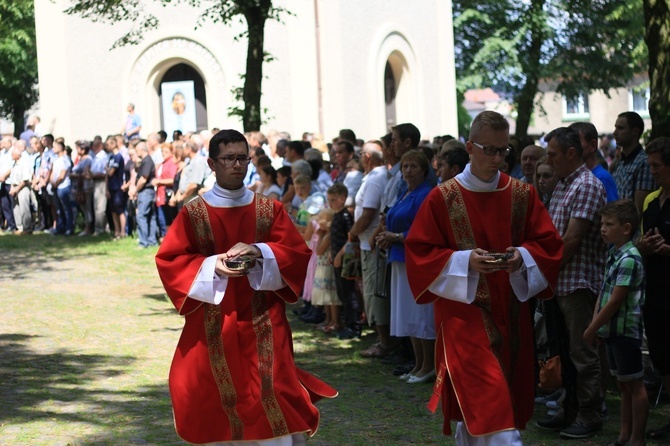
65	222
146	217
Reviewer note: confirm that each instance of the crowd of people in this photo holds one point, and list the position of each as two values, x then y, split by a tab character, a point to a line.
401	232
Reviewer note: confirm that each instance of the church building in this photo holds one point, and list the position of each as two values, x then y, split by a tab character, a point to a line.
364	65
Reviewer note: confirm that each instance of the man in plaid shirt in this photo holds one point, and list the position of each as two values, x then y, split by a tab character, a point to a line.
573	209
631	171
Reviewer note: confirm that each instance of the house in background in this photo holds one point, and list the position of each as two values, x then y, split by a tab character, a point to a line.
555	110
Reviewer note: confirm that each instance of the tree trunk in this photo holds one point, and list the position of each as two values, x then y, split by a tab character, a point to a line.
525	100
19	120
255	16
657	36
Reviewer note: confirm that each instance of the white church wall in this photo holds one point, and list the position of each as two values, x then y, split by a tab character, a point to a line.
85	86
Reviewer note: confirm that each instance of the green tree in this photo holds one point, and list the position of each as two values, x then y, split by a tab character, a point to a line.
18	70
254	12
578	45
657	36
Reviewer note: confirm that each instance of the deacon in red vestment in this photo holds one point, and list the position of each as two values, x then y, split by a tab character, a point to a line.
484	350
233	376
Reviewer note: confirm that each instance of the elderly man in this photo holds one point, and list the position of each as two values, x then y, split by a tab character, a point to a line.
366	219
193	175
481	245
233	377
529	158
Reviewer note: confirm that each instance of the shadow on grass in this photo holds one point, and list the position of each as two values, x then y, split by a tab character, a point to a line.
66	387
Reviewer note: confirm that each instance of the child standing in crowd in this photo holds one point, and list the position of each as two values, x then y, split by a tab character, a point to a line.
324	292
339	235
618	317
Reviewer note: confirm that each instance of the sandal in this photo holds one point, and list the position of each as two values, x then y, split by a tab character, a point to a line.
617	443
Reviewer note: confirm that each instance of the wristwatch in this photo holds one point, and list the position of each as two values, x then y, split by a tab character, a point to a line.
397	236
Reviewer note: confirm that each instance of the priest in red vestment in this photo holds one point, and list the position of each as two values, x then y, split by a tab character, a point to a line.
484	350
233	377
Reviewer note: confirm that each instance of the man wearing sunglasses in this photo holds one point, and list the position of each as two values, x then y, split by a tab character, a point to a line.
229	263
481	245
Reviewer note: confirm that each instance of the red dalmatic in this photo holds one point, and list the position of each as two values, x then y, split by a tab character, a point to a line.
233	376
484	350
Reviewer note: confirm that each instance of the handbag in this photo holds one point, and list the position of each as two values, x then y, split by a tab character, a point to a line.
351	261
383	276
550	373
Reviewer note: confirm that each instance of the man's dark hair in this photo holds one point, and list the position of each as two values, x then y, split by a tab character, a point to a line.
297	147
386	139
176	135
634	120
624	210
285	171
410	131
660	145
585	128
258	151
49	137
566	138
225	137
347	145
163	135
458	157
348	135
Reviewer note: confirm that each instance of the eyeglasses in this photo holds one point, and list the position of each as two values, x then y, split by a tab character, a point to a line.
230	161
492	151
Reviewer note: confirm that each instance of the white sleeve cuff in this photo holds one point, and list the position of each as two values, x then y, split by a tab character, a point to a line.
265	274
527	282
456	282
208	286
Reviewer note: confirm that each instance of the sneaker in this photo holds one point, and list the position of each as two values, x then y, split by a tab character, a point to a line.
348	333
554	424
581	430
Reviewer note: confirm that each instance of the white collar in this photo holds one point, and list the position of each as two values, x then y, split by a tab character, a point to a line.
220	197
471	182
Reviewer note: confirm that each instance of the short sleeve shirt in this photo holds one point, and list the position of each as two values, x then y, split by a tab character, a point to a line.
339	230
147	170
632	173
580	195
624	269
608	182
370	196
115	181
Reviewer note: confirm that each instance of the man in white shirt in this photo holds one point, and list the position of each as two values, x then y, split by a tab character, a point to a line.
366	219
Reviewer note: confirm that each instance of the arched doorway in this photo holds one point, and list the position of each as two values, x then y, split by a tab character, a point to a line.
396	89
183	100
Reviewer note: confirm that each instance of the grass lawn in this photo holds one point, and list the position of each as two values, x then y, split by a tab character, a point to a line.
87	336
